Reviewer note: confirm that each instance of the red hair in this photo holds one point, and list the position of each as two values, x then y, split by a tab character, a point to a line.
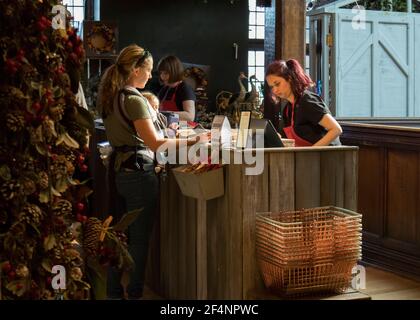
292	71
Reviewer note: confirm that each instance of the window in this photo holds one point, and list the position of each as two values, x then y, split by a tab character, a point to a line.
256	35
77	11
256	21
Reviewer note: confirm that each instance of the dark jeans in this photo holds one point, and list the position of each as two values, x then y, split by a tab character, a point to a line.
137	189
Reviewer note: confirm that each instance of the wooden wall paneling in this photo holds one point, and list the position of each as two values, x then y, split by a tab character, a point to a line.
224	232
217	247
402	200
234	219
282	181
256	199
165	228
191	249
350	180
181	248
173	245
332	178
201	250
371	188
308	183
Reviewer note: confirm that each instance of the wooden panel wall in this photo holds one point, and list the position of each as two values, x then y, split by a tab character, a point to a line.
389	193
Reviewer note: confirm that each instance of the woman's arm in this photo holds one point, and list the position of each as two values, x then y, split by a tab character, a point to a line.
189	111
333	130
146	131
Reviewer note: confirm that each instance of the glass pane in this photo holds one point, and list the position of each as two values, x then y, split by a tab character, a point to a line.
260	32
307	63
78	13
251	71
78	3
260	73
260	18
251	34
252	18
252	4
251	58
68	2
260	58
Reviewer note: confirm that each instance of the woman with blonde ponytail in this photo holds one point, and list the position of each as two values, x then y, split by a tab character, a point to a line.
135	134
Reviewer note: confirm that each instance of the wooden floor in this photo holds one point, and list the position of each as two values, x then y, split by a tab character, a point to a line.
380	285
383	285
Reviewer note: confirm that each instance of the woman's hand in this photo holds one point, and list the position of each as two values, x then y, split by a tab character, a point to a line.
204	137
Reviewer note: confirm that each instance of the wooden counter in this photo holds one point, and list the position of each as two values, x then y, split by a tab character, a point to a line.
389	189
206	249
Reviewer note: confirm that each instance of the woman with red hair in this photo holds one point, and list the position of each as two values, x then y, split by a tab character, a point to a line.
306	118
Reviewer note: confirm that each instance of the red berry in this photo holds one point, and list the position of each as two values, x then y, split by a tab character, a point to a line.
19	286
6	267
80	206
43	38
49	279
53	157
79	217
69	45
83	168
79	51
81	158
86	150
36	106
84	218
11	275
70	32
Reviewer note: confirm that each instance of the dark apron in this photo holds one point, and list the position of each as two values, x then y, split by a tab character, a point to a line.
169	105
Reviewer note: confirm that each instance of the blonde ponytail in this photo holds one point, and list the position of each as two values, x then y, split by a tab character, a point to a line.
116	76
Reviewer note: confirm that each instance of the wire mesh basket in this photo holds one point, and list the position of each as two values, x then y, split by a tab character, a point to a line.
308	250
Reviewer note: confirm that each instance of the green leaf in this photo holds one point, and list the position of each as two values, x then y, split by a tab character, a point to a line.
44	196
61	185
55	192
77	182
5	172
49	242
41	150
58	92
84	119
69	141
47	265
127	219
17	287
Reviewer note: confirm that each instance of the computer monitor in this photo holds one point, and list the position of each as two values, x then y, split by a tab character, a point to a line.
271	137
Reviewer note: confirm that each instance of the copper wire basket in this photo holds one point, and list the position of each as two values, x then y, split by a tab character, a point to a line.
308	250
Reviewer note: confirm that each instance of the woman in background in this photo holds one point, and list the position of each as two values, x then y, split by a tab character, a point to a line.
306	118
176	95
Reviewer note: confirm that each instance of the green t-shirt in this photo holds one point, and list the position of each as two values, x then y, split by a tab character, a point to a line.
117	132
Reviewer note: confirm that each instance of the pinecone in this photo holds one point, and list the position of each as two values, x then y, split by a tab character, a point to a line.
62	208
68	153
10	189
57	253
92	231
29	186
43	180
31	214
59	167
15	122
